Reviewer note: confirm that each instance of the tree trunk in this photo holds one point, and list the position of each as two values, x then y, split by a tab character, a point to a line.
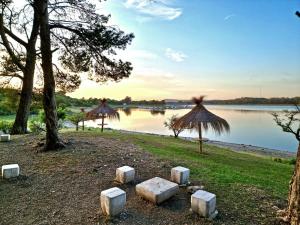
102	124
77	126
52	140
200	138
293	211
20	123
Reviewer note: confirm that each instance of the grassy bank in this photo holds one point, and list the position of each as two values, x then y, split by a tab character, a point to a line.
217	165
64	187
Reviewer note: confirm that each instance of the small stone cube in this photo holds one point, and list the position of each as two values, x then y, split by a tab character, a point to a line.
11	170
4	137
180	175
156	189
112	201
125	174
204	203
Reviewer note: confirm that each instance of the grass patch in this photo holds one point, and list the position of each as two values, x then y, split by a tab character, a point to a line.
217	166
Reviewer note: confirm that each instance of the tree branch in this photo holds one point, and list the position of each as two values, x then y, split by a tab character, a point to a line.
16	38
6	44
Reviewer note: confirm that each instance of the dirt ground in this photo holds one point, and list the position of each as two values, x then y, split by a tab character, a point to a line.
64	187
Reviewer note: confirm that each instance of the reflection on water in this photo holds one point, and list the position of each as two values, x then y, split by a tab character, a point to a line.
249	125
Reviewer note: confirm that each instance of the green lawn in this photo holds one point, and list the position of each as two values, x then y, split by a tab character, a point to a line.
218	166
9	118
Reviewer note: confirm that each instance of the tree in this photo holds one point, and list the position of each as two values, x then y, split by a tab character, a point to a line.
21	58
127	100
290	123
75	32
86	42
76	118
170	125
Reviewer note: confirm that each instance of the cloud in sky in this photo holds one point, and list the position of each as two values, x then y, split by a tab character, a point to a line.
155	8
229	17
176	56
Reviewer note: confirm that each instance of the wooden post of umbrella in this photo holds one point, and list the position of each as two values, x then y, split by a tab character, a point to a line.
200	137
102	123
82	110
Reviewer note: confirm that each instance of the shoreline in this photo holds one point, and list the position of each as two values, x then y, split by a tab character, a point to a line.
262	151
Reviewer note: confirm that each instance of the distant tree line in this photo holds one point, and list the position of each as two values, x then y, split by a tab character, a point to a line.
9	98
249	100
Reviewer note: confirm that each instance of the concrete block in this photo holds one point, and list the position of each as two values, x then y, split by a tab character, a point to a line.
157	189
11	170
4	137
125	174
112	201
204	203
180	175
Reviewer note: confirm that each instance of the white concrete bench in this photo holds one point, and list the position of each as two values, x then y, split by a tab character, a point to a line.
125	174
157	189
112	201
11	170
204	203
180	175
4	137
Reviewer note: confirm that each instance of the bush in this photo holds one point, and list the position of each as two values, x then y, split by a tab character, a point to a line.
292	161
76	118
61	114
279	160
286	161
6	126
36	126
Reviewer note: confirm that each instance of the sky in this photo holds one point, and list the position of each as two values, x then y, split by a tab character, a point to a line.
223	49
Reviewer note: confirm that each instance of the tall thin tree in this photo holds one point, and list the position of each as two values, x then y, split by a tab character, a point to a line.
290	123
21	54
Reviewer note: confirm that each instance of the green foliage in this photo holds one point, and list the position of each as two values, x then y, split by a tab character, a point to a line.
36	126
61	114
292	161
76	118
8	101
279	160
6	126
286	161
170	125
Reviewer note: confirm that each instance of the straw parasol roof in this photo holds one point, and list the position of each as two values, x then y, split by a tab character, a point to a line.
103	111
199	117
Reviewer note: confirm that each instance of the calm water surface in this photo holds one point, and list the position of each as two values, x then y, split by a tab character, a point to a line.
251	125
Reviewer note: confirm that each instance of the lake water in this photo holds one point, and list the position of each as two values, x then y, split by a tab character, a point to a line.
251	125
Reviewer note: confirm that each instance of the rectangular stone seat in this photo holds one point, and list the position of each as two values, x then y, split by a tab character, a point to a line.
180	175
4	137
112	201
11	170
157	189
204	203
125	174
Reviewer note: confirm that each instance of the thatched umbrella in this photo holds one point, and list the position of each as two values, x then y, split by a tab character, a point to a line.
199	117
103	111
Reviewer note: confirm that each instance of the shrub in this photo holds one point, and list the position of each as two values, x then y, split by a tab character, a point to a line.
292	161
6	126
76	118
279	160
36	126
